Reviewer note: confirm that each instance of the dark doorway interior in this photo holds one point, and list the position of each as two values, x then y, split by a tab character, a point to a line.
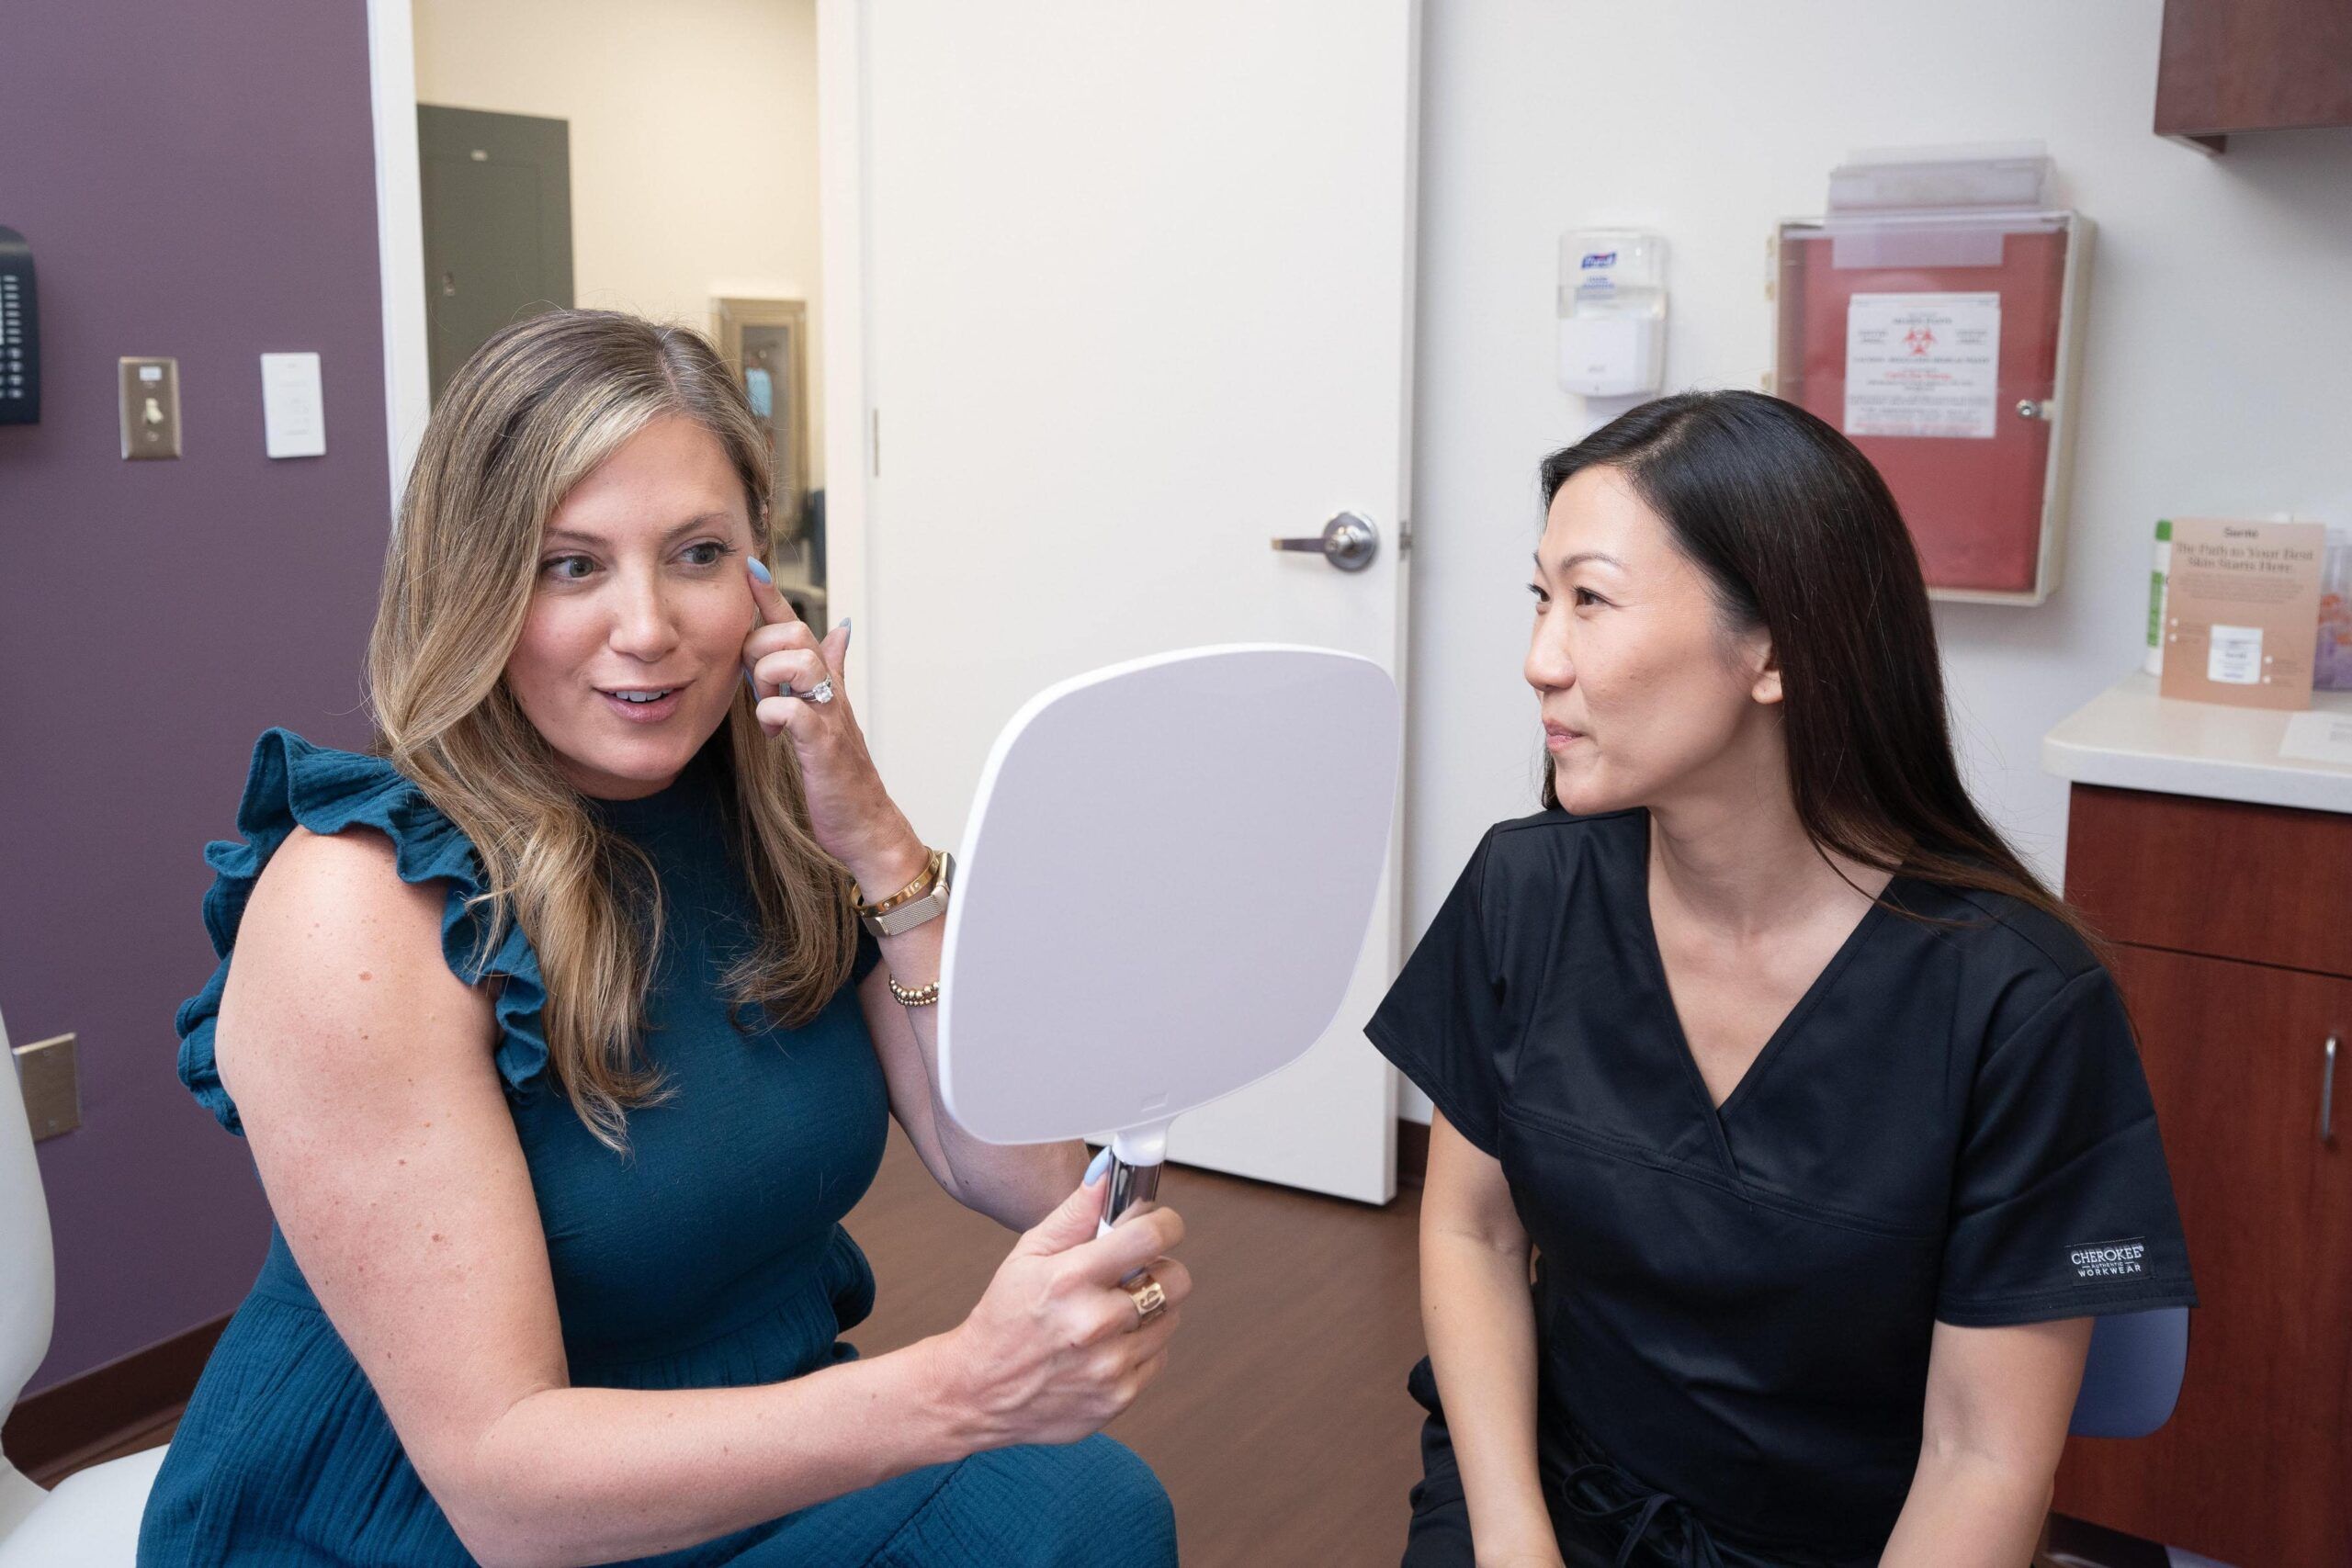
497	199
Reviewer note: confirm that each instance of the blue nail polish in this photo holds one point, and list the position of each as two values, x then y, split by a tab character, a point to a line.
760	569
846	633
1102	1163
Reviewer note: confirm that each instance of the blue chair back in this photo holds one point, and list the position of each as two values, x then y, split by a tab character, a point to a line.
2132	1380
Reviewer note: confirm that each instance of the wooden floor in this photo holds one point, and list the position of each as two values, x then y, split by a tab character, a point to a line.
1281	1427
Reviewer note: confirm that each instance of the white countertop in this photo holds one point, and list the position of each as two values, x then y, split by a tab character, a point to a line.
2131	738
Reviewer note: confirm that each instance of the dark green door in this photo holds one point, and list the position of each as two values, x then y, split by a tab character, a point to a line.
497	191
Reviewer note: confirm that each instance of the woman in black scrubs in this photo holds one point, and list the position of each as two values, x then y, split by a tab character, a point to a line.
1820	1116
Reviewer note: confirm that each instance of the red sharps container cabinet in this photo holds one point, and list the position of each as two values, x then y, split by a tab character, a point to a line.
1944	345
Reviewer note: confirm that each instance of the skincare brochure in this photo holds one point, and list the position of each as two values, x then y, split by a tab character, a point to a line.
2242	612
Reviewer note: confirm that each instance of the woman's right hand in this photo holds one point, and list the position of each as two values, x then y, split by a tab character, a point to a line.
1056	1347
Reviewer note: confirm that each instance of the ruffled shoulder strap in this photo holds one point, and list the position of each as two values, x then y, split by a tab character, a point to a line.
294	784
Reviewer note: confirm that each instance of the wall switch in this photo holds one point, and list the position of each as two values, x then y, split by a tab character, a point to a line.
53	1087
150	408
293	417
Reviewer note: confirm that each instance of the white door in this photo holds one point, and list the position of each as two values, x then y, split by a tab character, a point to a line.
1136	300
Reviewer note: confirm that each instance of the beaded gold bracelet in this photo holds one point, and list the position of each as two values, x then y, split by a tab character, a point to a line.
922	997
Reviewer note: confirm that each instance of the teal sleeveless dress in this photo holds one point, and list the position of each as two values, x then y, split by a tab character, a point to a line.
712	1256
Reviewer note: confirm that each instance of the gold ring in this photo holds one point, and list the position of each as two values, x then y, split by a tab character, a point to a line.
1149	1299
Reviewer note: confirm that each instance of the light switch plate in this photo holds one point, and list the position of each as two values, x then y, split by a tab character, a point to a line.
293	418
150	408
53	1085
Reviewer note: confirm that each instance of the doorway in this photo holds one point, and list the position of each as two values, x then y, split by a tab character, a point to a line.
497	209
602	153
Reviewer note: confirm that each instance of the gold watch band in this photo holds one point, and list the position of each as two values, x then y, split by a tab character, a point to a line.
922	900
923	883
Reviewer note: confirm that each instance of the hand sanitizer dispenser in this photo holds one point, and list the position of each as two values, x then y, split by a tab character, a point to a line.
1612	312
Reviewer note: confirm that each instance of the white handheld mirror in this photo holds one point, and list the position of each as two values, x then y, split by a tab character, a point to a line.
1162	892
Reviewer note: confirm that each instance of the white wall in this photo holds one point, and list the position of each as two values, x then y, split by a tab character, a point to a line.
2217	373
694	140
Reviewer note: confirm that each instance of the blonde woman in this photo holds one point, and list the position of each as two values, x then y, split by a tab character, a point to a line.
562	1052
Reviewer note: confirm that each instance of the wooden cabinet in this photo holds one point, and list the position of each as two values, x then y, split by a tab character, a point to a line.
2234	932
2231	66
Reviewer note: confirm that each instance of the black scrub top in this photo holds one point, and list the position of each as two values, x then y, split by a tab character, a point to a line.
1734	1304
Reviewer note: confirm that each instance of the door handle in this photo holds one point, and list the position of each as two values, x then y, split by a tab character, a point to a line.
1348	542
2327	1095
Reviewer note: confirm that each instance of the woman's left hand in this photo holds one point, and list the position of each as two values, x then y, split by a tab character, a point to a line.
853	815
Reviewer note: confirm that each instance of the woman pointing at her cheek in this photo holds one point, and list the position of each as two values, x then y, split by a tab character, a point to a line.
564	1029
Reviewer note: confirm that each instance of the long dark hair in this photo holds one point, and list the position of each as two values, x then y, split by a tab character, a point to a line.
1798	534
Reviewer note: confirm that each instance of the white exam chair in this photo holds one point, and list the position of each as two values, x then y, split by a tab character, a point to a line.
91	1520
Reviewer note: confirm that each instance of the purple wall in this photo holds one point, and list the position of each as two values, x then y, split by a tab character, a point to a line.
195	180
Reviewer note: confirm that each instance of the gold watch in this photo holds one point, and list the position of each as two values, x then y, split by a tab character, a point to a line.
924	899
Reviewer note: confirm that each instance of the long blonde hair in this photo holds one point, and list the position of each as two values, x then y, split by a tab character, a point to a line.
528	416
